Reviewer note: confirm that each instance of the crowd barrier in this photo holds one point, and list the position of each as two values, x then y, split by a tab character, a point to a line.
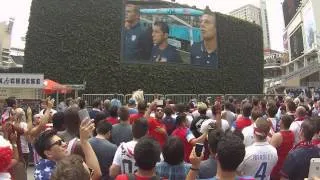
177	98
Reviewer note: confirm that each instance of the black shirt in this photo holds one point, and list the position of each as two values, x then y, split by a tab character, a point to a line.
168	55
131	48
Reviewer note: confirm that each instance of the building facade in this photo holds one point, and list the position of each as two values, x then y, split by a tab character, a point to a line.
257	16
302	44
5	42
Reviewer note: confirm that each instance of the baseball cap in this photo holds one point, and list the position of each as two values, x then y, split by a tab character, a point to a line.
202	106
132	101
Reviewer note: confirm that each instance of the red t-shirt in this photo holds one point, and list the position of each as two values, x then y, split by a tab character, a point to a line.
134	117
112	120
316	142
153	124
185	135
242	122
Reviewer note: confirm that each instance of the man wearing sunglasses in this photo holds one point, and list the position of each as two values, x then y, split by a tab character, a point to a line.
53	149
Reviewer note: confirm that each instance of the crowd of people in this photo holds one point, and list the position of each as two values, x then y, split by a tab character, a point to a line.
247	139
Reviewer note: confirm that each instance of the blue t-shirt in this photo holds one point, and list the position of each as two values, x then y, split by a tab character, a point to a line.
167	55
200	56
43	169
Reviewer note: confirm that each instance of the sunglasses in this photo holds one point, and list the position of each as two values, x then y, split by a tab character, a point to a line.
159	110
58	142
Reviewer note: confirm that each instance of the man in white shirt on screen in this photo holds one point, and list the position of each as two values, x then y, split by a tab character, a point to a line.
260	157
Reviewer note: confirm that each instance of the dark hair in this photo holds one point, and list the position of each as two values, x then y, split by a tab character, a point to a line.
230	152
308	128
286	121
42	142
173	151
72	120
100	116
123	113
140	128
238	133
58	121
96	103
142	106
272	109
136	8
228	106
214	137
291	105
317	123
263	104
180	108
114	111
11	101
163	26
68	101
255	101
168	111
103	127
181	118
70	168
246	109
82	103
255	114
147	153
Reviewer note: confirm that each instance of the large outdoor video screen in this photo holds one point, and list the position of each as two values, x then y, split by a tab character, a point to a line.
164	32
289	8
296	44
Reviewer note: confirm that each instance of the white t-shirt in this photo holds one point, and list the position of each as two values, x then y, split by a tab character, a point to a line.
205	124
259	161
52	112
248	135
124	157
23	140
295	128
5	176
196	114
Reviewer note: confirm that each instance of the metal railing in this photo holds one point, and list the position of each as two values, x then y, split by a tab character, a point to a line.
176	98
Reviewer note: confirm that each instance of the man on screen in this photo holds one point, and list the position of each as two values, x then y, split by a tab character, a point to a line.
133	31
163	52
205	52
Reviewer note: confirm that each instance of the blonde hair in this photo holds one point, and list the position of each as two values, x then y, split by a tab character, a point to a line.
20	115
138	95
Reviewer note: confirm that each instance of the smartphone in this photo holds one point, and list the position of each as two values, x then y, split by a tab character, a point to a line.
199	147
314	168
83	114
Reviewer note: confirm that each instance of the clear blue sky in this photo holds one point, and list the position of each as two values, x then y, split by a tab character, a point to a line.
20	10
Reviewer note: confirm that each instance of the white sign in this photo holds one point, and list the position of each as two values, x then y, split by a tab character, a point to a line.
15	80
174	43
